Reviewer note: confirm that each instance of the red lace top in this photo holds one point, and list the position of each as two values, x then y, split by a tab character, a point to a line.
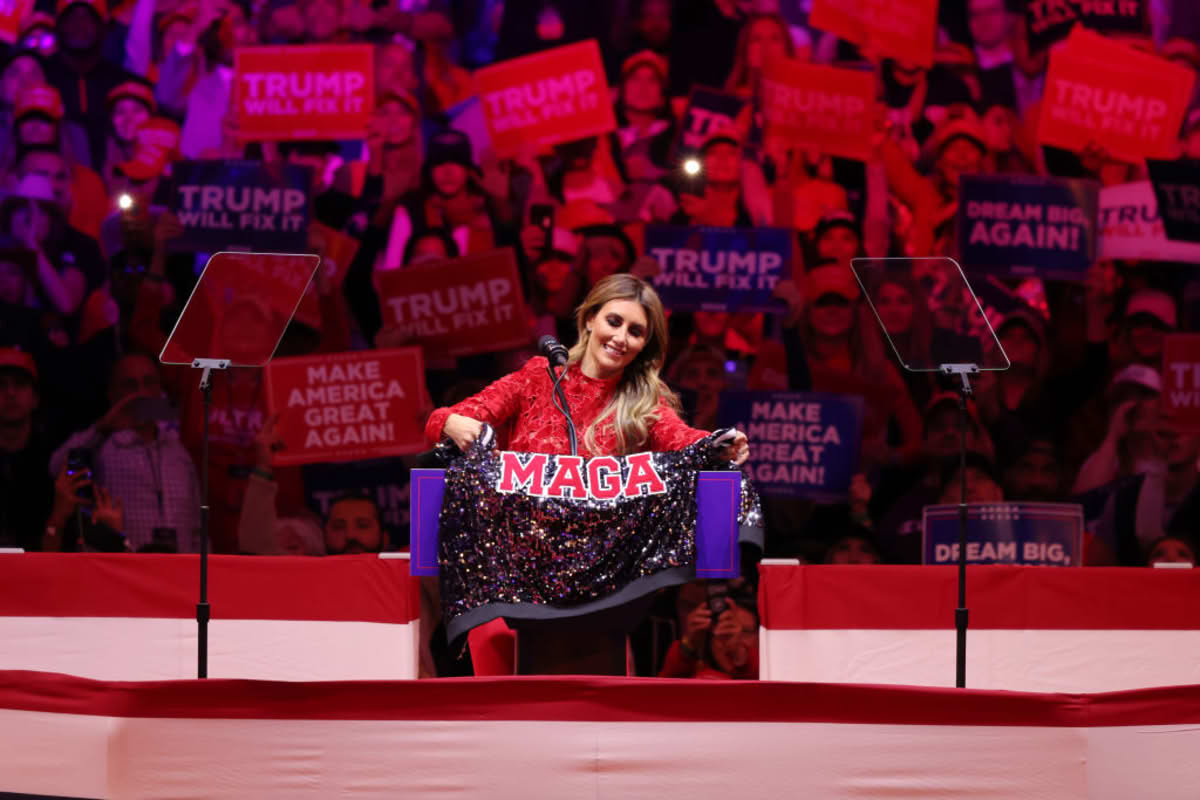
523	398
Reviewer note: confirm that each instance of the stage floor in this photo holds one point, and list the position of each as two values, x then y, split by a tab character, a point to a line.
63	736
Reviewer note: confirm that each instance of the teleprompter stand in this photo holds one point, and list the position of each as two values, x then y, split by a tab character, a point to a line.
235	317
961	345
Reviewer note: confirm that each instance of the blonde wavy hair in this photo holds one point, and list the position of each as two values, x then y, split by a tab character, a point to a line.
633	408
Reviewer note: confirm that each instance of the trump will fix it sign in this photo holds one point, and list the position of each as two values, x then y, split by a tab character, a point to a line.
1181	379
549	97
304	92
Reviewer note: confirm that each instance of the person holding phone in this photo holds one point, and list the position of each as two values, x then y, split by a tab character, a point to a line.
138	459
720	633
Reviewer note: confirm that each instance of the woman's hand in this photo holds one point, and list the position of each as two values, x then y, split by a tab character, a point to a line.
738	450
463	431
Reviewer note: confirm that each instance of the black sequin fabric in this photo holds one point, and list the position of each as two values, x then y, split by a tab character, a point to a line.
513	554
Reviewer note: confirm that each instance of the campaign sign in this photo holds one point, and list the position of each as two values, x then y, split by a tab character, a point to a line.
459	307
719	269
241	205
708	111
1017	225
1047	21
336	250
1127	102
825	108
802	444
899	29
1032	534
383	479
557	95
1181	379
1130	227
348	406
11	14
322	91
1177	188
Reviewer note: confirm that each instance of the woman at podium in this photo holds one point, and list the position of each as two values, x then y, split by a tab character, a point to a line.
620	405
612	385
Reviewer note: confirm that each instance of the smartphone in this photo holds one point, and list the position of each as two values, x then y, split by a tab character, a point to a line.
153	408
718	599
79	459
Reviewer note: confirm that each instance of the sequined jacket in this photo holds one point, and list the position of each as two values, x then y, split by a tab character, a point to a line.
520	409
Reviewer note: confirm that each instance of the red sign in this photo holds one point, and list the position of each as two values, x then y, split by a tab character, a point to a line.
899	29
557	95
348	406
336	250
304	92
456	308
826	108
11	14
1181	379
1099	91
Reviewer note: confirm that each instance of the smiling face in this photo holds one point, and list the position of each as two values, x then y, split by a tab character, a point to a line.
127	116
617	333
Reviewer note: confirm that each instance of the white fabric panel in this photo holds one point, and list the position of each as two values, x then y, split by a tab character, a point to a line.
1013	660
56	754
1160	762
179	758
137	648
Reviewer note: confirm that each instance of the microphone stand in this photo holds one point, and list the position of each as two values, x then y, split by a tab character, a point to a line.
560	402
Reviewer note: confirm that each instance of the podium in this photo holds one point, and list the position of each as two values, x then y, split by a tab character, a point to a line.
598	648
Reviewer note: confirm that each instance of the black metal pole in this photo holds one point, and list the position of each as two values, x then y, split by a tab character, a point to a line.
960	613
203	611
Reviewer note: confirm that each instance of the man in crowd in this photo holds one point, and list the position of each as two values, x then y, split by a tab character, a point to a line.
138	457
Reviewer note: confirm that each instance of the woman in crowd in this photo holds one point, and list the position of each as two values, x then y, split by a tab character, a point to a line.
30	216
129	106
763	37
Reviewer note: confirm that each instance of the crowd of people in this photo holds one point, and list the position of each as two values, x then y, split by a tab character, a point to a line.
99	442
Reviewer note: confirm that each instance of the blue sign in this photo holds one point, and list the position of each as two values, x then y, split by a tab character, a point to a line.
383	479
241	205
1035	534
802	444
1027	226
1177	189
719	269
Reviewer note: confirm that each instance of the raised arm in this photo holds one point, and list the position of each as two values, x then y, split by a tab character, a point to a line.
495	405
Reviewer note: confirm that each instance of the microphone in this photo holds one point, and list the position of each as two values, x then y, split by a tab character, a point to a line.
553	350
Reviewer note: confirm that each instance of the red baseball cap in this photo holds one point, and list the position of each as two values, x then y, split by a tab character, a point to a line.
135	90
12	357
41	99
